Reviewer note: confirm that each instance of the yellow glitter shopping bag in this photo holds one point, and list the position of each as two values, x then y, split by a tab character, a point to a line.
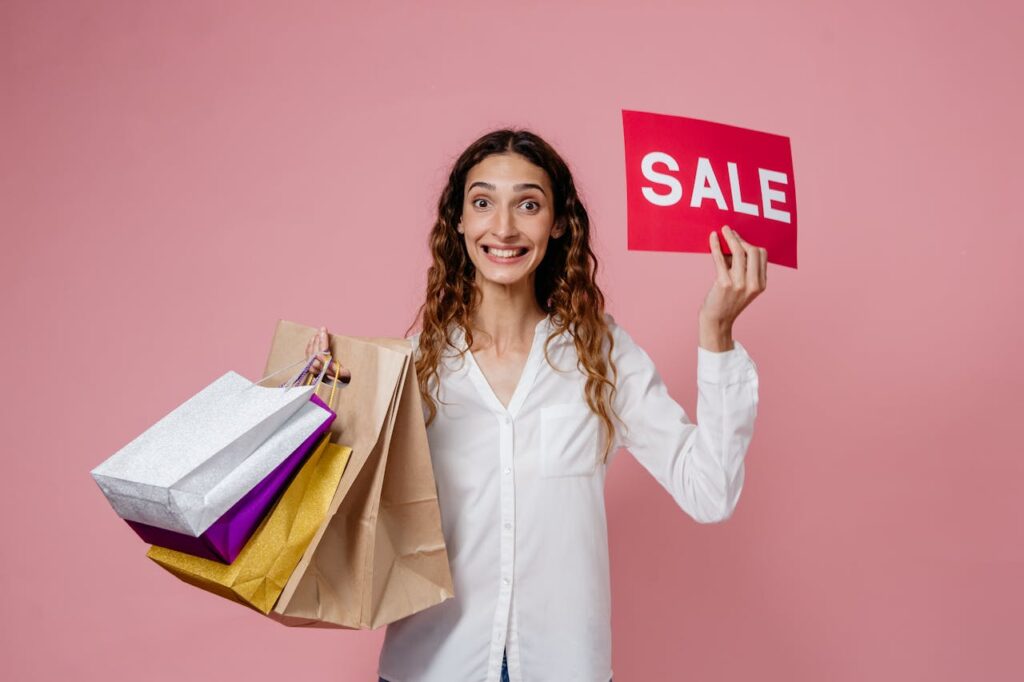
259	573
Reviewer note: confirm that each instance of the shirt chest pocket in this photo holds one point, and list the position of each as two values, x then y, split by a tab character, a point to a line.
569	440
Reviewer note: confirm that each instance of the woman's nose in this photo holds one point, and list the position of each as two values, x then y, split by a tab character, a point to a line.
506	223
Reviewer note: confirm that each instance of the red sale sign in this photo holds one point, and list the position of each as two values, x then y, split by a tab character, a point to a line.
686	178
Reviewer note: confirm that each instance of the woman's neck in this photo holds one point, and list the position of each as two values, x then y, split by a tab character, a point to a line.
507	316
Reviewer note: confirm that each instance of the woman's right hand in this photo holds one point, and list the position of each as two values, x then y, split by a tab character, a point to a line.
321	342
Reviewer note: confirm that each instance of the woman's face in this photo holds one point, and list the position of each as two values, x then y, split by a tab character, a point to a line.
507	217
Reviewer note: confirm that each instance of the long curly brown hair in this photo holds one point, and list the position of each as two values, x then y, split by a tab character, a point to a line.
565	280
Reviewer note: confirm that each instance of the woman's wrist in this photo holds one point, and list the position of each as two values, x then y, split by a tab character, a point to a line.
715	335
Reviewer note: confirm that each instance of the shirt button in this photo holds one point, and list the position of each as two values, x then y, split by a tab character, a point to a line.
505	580
508	470
508	526
507	419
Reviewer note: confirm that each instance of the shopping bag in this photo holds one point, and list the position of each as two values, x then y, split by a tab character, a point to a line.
189	468
379	554
260	571
226	536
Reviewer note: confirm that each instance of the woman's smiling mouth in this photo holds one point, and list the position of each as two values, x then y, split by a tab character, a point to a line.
505	255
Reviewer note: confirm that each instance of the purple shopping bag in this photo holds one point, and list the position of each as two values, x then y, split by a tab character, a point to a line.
226	537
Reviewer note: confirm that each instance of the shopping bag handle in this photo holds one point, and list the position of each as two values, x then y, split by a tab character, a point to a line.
276	372
300	376
334	385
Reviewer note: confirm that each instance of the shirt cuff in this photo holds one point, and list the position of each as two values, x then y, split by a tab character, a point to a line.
725	367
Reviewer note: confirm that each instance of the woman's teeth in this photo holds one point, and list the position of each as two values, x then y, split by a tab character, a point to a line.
505	253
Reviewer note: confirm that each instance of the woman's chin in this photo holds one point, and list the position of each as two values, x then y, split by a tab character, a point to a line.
505	279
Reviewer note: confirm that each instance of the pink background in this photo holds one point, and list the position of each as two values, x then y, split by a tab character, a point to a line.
177	176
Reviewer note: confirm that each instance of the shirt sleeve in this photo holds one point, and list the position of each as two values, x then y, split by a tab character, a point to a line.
700	465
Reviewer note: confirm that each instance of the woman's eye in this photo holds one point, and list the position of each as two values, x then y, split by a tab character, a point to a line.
480	203
530	205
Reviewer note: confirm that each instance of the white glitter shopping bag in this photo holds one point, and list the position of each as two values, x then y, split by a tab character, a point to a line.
185	471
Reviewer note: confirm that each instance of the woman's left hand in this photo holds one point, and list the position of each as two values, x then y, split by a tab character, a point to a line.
740	277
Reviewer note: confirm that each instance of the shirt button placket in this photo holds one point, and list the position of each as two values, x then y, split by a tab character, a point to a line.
501	616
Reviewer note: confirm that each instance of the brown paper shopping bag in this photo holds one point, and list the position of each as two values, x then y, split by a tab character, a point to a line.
379	555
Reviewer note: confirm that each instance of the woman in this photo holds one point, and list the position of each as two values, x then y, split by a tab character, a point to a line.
522	427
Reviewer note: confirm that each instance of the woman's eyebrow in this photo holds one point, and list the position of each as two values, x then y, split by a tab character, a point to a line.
516	188
529	185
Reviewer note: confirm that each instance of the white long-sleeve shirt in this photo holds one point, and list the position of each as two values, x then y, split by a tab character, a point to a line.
521	492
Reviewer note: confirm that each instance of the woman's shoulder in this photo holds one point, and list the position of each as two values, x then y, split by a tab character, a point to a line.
609	320
414	340
446	351
626	348
618	332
